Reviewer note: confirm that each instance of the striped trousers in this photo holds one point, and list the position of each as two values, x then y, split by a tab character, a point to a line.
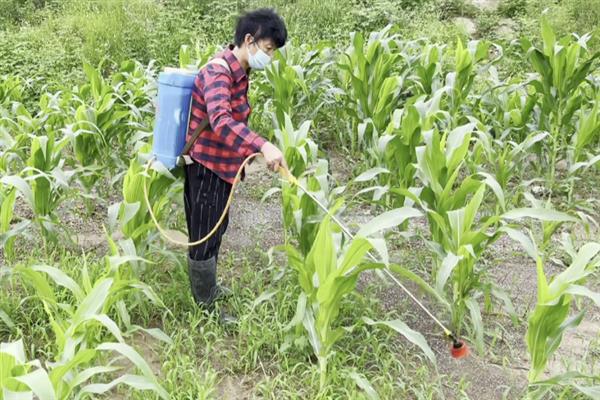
204	196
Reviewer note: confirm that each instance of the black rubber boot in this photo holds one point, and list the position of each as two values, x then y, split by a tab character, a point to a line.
203	280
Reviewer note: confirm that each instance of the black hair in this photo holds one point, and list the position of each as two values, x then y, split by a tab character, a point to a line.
263	23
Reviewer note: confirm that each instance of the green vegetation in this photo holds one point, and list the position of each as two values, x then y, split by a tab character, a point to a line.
465	163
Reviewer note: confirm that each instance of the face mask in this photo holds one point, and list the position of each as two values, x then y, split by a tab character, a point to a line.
259	60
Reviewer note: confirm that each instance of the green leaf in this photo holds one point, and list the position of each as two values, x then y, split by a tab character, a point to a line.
526	242
87	373
39	283
61	279
355	255
39	383
593	392
548	37
370	174
403	329
365	386
59	371
93	302
322	255
300	311
542	214
135	381
407	274
388	220
457	145
493	184
448	264
131	354
14	349
582	291
22	186
264	296
477	321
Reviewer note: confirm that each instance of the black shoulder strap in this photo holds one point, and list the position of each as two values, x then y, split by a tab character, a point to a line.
204	123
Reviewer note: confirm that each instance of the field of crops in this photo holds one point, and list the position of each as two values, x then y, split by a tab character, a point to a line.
474	186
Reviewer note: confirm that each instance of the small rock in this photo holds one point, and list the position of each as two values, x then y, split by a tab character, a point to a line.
531	159
489	5
562	165
467	24
507	29
540	191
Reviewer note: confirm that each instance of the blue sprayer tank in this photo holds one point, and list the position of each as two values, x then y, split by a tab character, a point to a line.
174	100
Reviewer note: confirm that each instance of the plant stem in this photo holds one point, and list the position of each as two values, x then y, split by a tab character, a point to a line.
322	372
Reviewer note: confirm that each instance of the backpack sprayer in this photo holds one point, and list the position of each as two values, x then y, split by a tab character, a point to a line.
169	147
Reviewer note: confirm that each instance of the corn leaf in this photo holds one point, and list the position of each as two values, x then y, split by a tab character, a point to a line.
412	335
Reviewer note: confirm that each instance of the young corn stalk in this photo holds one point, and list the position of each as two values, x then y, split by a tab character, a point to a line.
557	296
80	321
460	231
21	378
504	159
295	84
394	156
11	89
371	86
326	275
106	119
300	151
425	65
579	156
8	232
562	67
506	108
460	81
301	216
132	213
43	182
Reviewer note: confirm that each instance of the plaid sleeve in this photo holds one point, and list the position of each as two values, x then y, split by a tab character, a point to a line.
217	94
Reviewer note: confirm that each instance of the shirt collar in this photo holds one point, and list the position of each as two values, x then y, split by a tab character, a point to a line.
237	71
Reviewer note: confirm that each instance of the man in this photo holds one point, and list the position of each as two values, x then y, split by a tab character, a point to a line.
220	94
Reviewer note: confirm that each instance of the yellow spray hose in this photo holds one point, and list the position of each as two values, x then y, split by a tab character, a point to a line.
285	173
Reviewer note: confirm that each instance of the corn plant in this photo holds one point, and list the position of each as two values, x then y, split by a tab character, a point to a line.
507	108
21	378
329	271
105	120
301	216
460	81
300	151
393	157
17	128
562	67
325	278
504	158
132	213
89	146
371	85
43	183
8	232
556	296
458	238
81	320
11	89
297	82
425	66
586	136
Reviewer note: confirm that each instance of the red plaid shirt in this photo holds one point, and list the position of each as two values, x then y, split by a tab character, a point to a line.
223	95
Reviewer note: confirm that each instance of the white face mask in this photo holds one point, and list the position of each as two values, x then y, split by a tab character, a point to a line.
259	60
